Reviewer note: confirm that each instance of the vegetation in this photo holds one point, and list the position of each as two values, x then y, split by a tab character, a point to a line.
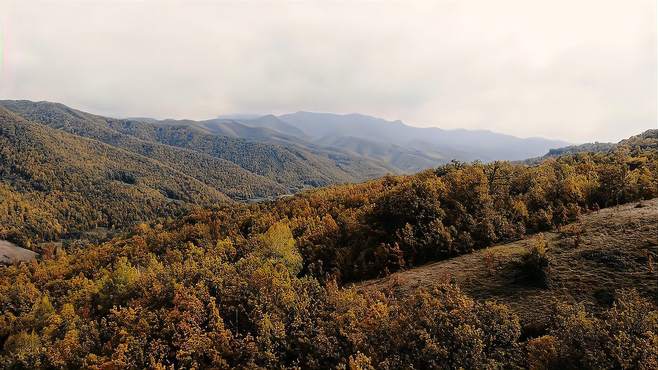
190	294
55	184
243	169
207	283
354	232
617	252
535	264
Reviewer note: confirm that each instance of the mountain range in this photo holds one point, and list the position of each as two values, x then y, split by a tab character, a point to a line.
394	144
84	170
250	157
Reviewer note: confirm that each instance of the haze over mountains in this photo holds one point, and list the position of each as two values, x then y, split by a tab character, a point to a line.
54	160
250	157
405	148
240	168
393	144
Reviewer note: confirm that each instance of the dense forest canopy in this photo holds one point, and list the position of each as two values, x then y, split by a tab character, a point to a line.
54	184
262	285
243	167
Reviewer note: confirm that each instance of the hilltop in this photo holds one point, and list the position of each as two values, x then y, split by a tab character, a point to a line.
646	139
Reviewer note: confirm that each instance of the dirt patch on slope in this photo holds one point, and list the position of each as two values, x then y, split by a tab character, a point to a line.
10	253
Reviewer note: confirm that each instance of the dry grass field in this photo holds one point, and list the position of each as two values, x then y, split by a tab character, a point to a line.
612	249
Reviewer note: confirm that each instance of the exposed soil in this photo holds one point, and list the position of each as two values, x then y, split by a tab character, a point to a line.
10	253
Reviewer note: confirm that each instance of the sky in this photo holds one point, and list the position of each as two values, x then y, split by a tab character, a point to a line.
577	70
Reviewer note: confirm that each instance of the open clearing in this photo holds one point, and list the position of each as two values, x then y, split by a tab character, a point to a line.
10	253
618	248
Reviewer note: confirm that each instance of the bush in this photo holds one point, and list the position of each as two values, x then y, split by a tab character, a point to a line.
535	265
624	337
542	353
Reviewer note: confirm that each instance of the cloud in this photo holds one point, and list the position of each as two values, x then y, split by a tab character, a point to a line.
580	71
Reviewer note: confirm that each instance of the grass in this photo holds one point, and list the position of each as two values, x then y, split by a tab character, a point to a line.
605	251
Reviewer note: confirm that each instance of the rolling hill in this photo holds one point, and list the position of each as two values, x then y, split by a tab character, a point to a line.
590	259
55	183
241	161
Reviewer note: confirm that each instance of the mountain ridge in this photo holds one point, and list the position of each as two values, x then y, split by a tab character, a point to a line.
281	169
443	145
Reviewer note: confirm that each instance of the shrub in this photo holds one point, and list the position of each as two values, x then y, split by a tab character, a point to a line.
624	337
535	265
489	259
542	353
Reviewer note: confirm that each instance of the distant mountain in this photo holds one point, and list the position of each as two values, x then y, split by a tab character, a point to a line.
400	158
242	161
228	128
440	144
275	123
239	116
647	139
385	146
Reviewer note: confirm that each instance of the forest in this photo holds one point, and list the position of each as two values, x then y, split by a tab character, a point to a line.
267	285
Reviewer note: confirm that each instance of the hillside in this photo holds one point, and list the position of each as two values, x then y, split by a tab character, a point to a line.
242	168
403	159
646	139
461	145
220	174
267	285
226	288
590	260
54	183
273	122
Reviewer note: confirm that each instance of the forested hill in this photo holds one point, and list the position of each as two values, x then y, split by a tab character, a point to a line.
54	183
261	285
67	171
299	150
365	230
645	139
243	169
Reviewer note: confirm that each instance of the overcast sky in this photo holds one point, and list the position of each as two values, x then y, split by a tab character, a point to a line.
579	70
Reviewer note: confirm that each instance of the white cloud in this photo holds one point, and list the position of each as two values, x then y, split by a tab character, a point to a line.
578	70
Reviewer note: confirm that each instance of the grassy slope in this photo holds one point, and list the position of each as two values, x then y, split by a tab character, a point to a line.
612	255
